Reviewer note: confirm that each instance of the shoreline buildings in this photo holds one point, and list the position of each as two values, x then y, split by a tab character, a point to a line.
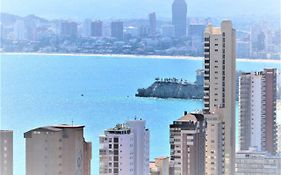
57	150
68	29
117	30
124	149
219	98
6	152
179	20
257	104
152	24
96	28
187	145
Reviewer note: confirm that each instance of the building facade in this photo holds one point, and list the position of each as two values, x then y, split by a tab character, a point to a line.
179	13
96	28
279	139
219	98
257	104
117	30
68	29
258	163
57	150
124	149
152	24
6	152
187	145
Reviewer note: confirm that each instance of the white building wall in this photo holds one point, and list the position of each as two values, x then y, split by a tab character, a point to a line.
141	149
126	154
133	150
256	112
279	138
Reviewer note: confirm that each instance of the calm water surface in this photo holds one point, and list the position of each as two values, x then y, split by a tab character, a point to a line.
46	90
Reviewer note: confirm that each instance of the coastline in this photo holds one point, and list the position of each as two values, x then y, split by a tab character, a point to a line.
134	56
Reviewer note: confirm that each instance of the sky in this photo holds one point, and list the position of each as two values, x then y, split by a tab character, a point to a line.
120	9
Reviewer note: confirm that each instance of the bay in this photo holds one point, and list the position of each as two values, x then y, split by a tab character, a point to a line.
40	90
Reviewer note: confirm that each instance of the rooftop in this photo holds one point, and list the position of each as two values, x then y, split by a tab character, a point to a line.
54	128
192	117
213	30
119	129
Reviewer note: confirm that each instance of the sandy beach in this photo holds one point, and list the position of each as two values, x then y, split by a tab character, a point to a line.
135	56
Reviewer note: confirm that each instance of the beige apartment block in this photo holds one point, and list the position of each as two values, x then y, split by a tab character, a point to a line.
219	98
187	143
57	150
160	166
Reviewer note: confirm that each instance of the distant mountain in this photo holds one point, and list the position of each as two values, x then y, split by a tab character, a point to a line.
7	19
35	18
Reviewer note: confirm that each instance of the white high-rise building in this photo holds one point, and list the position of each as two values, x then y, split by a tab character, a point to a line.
57	150
124	149
219	98
6	152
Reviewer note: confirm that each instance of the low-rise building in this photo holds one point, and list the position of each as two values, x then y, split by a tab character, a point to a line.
160	166
257	163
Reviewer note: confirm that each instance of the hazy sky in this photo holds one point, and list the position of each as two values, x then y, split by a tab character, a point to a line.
138	8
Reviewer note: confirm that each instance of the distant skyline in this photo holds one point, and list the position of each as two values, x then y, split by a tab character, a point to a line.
80	9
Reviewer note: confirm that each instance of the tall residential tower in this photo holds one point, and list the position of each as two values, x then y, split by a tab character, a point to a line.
179	12
117	28
257	104
219	98
152	24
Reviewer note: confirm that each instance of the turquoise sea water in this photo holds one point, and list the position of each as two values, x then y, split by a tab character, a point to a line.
45	90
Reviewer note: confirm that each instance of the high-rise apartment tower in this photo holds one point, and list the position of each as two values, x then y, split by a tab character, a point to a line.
257	105
219	98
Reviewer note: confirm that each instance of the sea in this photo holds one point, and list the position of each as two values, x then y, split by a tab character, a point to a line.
95	91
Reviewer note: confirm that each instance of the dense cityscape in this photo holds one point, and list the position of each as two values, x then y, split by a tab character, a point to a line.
200	142
183	36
